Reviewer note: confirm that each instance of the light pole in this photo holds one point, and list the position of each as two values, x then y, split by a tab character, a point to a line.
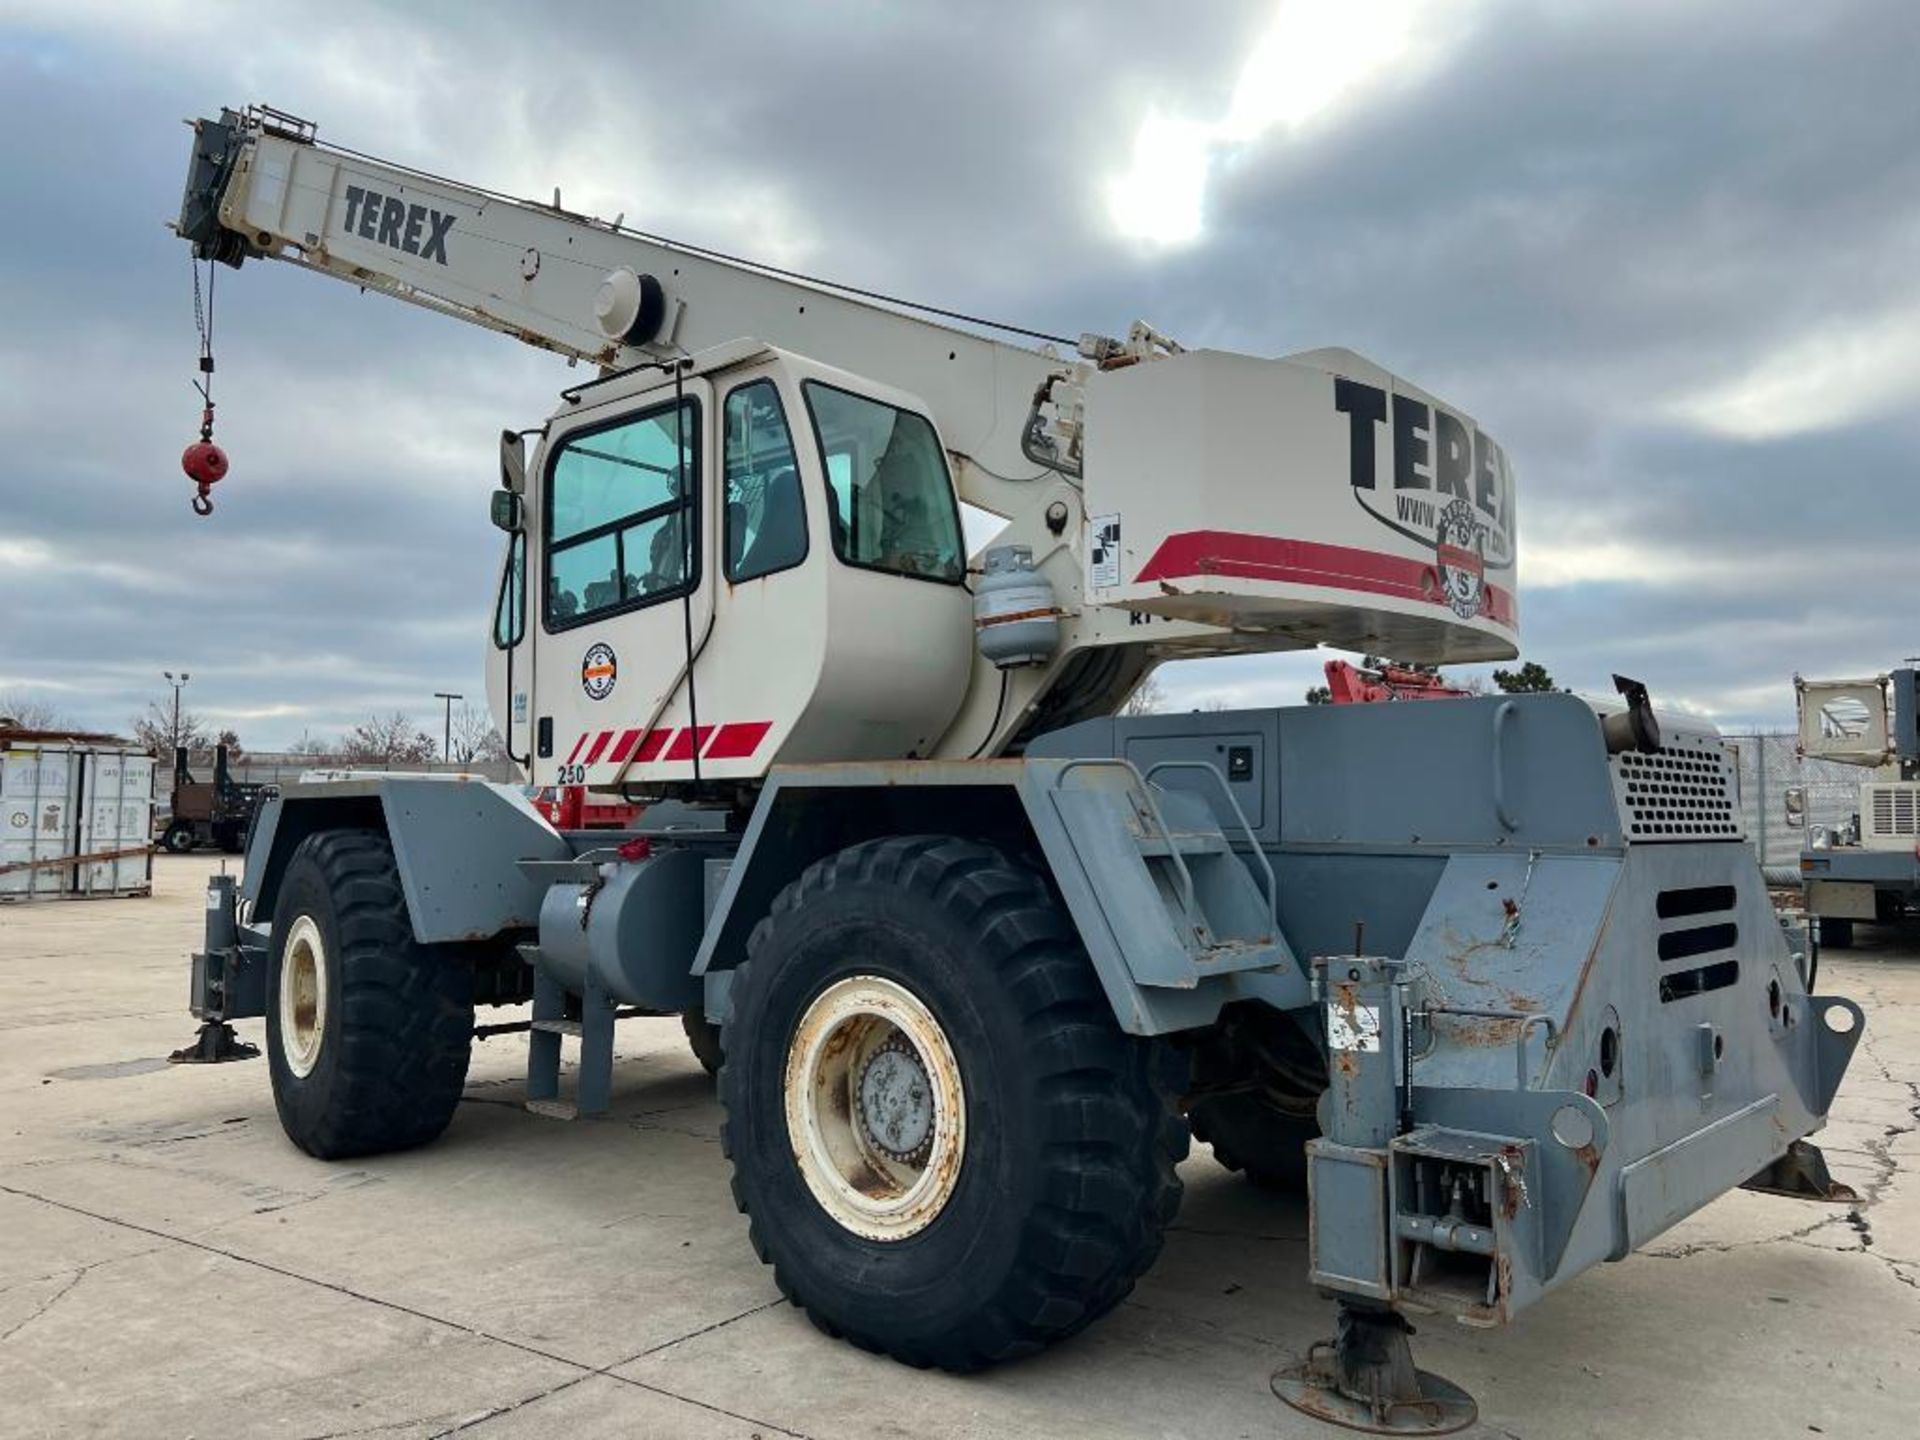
178	686
446	739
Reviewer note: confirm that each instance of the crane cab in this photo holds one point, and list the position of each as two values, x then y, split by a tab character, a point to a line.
758	559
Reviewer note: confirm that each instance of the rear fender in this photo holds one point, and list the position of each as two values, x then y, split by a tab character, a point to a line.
458	844
807	812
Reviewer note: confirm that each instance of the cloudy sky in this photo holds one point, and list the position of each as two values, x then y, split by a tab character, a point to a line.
1664	249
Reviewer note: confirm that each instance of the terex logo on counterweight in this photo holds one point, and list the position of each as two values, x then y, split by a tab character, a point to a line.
1450	486
415	229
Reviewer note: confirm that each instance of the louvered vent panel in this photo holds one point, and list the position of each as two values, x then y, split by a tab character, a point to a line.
1683	791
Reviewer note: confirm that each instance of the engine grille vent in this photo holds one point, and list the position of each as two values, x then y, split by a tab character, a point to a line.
1893	810
1683	791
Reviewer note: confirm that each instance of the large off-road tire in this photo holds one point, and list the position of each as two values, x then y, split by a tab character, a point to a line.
178	838
1250	1135
1256	1085
368	1032
946	1148
703	1037
1836	933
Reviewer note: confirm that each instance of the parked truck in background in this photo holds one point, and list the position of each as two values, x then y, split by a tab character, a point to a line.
215	812
1865	869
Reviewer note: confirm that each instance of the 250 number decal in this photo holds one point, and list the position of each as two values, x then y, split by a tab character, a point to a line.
572	775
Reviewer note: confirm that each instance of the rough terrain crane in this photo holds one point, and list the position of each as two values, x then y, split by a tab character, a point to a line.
1496	980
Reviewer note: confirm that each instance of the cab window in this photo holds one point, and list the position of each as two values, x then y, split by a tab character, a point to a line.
890	499
621	517
510	612
766	521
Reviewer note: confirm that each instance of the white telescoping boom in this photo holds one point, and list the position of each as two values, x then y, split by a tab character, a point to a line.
1172	503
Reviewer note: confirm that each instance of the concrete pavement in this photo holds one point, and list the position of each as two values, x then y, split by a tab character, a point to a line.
171	1266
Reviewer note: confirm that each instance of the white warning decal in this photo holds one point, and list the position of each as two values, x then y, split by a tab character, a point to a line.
1353	1027
1103	553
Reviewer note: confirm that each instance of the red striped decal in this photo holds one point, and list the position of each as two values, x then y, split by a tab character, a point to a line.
738	740
684	743
599	746
1307	562
628	739
651	747
576	749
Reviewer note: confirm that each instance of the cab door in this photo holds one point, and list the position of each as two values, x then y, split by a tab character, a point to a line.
624	529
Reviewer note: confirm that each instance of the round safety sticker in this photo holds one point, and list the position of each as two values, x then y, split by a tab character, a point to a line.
1463	571
598	670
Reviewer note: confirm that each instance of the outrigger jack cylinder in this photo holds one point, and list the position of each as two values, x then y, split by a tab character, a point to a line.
1365	1378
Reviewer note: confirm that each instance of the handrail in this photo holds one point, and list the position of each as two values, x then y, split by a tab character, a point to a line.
1146	790
1253	841
1528	1019
1501	715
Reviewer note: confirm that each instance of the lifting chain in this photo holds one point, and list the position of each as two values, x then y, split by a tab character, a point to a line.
205	463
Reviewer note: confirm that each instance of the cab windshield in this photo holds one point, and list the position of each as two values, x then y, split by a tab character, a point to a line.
891	501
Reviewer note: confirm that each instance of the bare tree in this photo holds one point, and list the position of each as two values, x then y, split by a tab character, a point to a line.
474	738
314	746
230	738
391	739
26	710
154	728
1147	699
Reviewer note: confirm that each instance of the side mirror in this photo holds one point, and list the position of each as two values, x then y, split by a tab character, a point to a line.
513	462
1796	798
506	511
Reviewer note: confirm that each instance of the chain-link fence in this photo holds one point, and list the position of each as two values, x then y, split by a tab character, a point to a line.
1769	766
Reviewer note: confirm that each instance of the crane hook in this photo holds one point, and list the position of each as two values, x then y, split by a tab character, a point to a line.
205	463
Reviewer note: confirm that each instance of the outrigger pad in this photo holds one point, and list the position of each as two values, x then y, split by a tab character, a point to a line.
1364	1379
215	1045
1802	1174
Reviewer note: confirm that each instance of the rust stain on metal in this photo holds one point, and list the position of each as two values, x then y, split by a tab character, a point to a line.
1510	1193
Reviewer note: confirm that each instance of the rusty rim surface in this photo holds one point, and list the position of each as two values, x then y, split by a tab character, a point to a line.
876	1112
303	996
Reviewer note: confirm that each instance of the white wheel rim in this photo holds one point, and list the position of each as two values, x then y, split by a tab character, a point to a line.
303	996
876	1113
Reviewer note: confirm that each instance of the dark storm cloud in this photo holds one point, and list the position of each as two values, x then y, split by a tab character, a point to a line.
1581	222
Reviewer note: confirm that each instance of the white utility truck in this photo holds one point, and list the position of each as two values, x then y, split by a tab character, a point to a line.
1866	868
1497	980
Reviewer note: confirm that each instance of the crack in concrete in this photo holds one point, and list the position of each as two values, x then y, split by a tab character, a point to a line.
1166	1312
707	1329
376	1429
1213	1234
472	1331
47	1304
474	1422
21	1284
1886	1174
